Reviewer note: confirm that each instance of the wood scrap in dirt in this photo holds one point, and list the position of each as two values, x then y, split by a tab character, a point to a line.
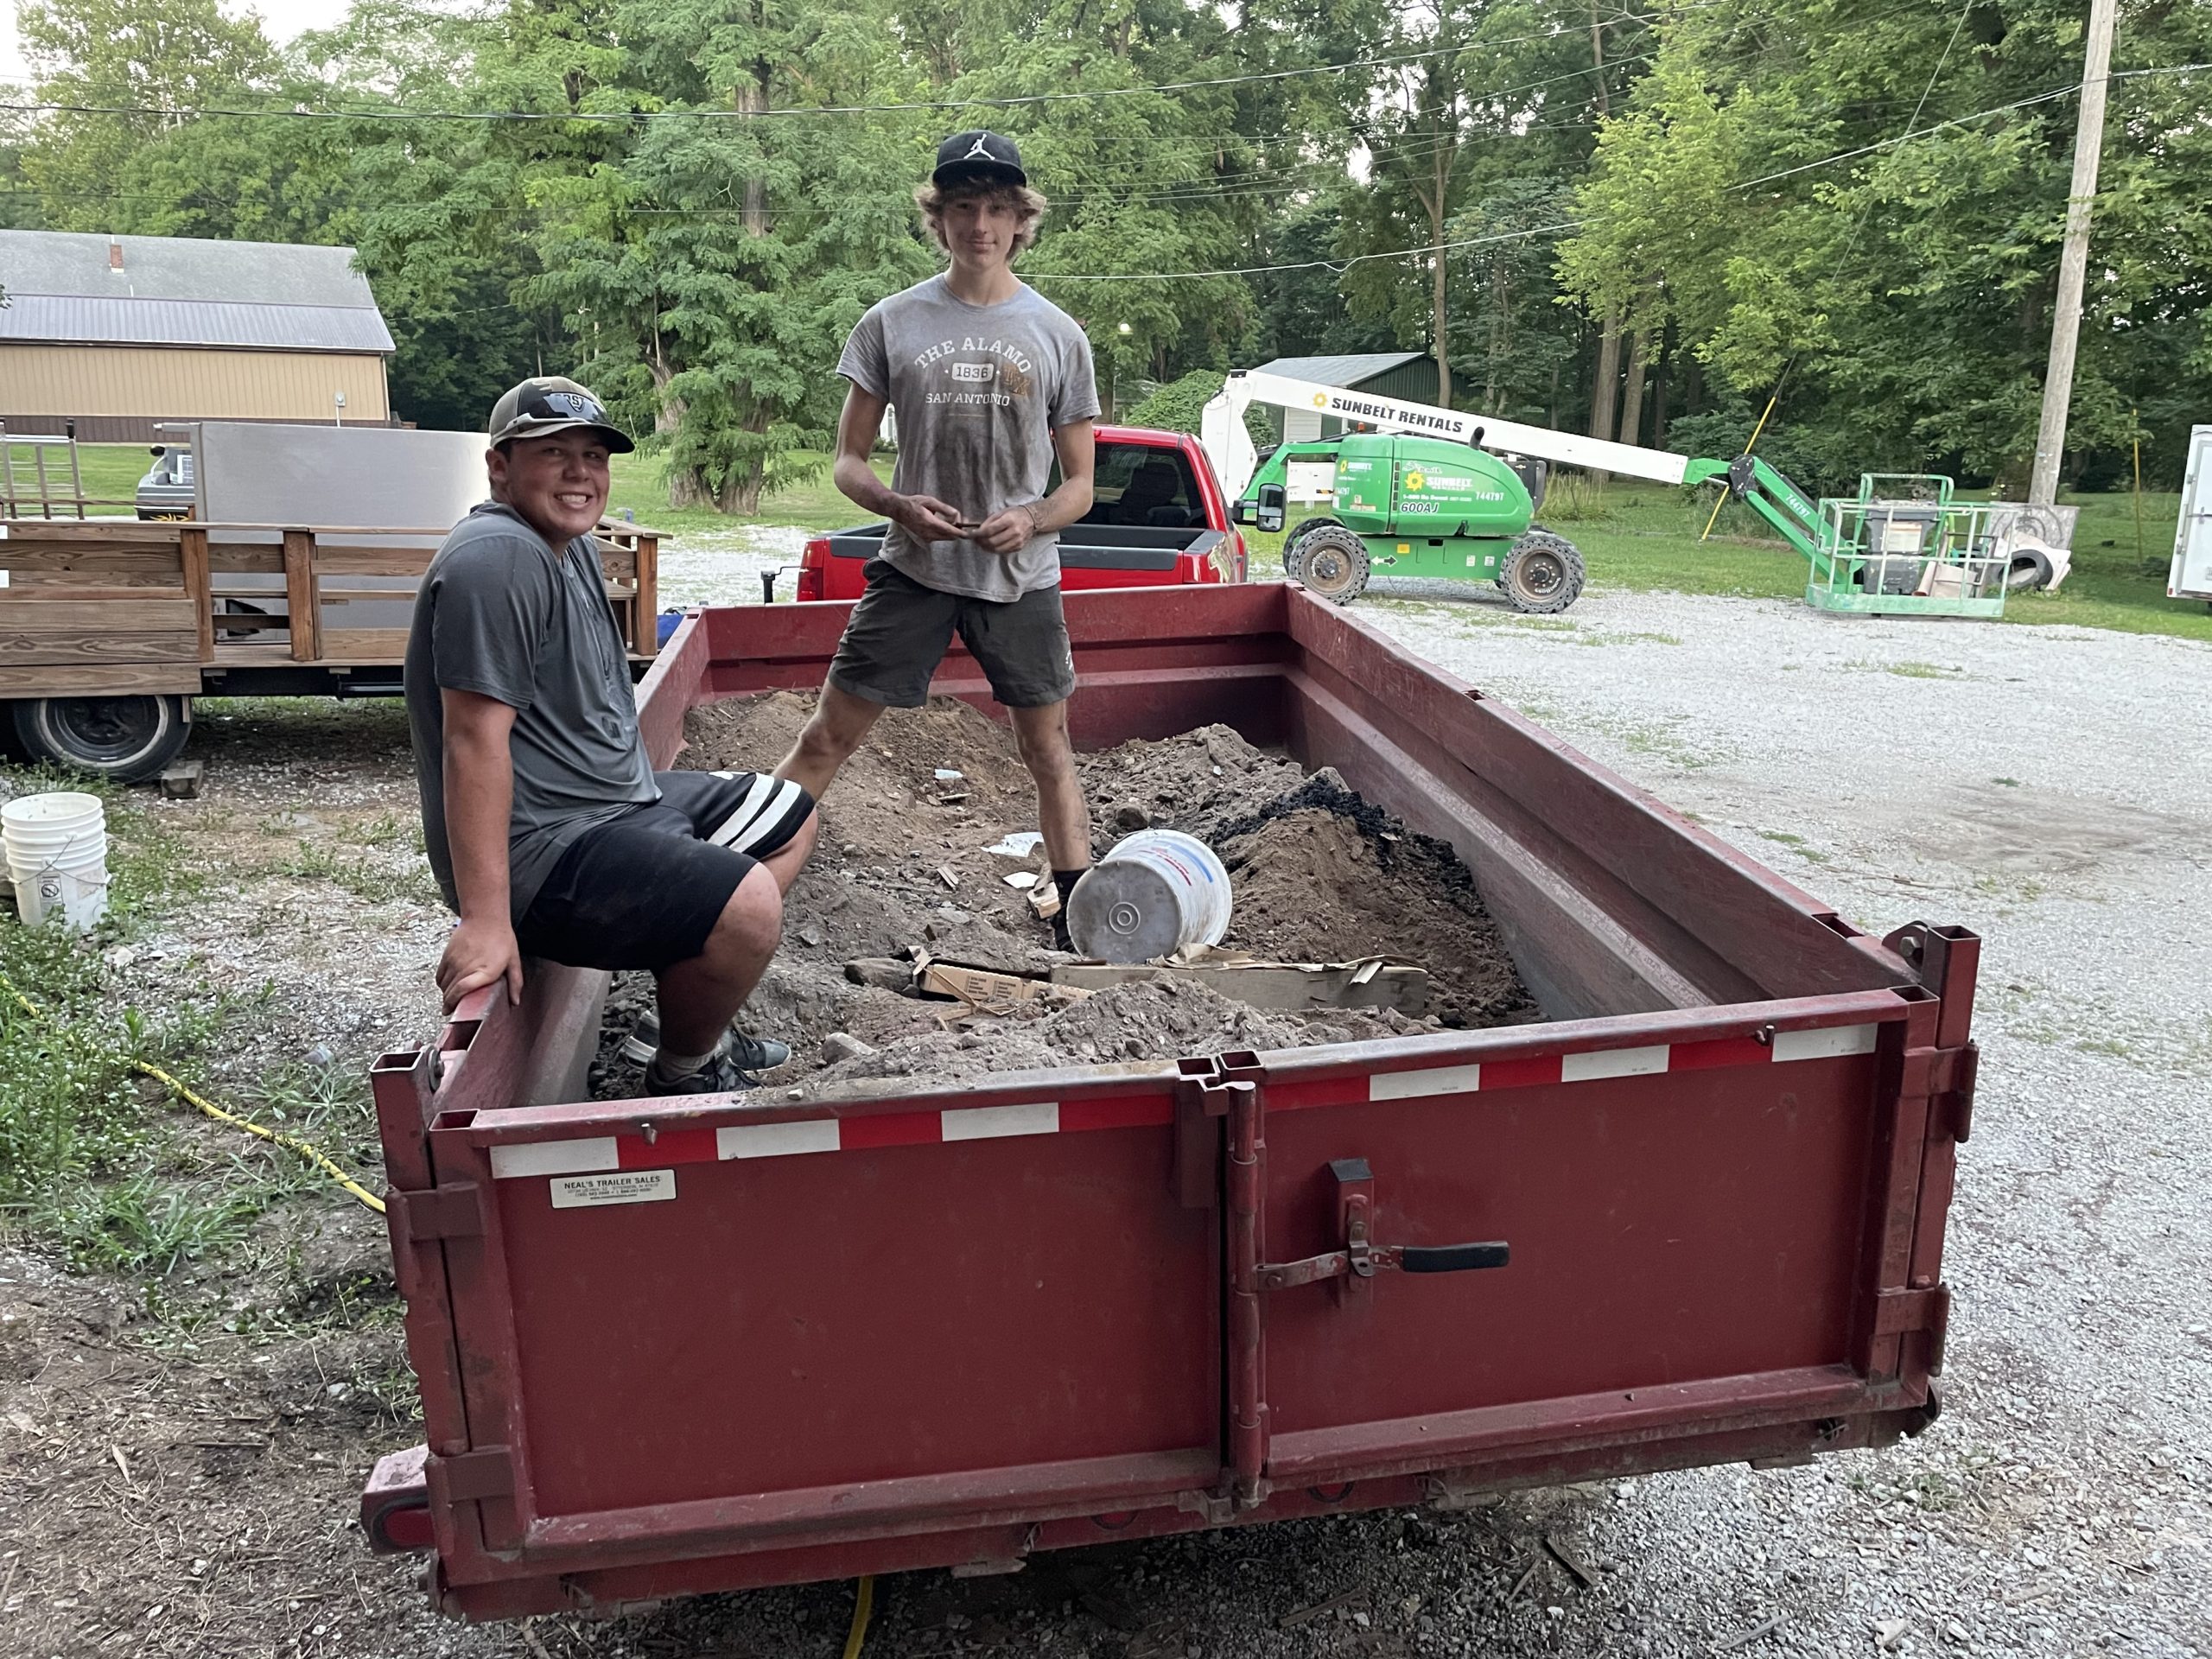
981	991
1377	982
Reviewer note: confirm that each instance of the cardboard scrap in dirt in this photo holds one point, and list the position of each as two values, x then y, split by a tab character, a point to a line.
1286	987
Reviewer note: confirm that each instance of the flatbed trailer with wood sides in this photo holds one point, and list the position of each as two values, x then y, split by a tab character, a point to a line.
110	627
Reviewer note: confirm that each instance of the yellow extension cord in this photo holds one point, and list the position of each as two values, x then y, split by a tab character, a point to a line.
185	1092
863	1605
864	1597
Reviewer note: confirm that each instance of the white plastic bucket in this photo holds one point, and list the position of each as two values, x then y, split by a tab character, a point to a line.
78	897
1155	893
56	847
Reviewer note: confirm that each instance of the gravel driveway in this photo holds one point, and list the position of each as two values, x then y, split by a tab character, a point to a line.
2050	789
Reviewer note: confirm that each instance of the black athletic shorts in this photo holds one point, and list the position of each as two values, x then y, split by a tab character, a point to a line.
901	631
645	889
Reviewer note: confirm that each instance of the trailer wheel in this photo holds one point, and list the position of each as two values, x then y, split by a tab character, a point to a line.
1542	574
124	739
1294	547
1332	562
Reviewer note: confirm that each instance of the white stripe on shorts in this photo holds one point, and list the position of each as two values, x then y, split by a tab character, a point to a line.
763	808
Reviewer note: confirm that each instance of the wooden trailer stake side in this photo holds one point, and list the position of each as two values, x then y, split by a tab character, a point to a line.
108	627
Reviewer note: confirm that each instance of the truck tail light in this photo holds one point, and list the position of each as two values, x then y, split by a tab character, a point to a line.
813	562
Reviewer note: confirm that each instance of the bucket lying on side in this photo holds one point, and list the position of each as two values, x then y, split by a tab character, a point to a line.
56	847
1155	893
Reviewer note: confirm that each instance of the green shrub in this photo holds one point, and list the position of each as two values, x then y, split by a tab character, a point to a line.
1177	407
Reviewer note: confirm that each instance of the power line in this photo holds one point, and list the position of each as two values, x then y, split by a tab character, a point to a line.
914	106
1347	261
1345	264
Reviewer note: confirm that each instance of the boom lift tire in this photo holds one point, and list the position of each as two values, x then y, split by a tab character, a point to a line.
124	739
1293	544
1332	562
1542	573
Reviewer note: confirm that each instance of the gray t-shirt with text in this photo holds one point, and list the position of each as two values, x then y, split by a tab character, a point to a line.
980	391
501	614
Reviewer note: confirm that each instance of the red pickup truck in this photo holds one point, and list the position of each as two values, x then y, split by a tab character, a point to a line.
1158	520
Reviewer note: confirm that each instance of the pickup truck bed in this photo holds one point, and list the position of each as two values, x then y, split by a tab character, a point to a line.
1091	556
1157	519
668	1347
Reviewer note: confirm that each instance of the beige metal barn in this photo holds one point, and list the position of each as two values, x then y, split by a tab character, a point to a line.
120	332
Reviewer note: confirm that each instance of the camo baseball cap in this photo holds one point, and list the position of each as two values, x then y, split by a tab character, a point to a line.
550	403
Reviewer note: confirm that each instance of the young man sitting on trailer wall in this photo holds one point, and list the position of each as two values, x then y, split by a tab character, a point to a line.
992	381
548	828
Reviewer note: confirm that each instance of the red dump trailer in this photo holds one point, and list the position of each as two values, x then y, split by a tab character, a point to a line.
1696	1217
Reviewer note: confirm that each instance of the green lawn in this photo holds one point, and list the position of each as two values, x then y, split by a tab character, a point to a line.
641	487
1646	538
111	472
1638	537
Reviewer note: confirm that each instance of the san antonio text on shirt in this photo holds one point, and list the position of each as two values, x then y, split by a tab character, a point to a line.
973	399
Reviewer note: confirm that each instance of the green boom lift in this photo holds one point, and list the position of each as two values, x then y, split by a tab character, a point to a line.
1422	496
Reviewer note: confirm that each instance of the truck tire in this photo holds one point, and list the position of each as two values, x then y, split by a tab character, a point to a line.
1332	562
1294	543
124	739
1542	574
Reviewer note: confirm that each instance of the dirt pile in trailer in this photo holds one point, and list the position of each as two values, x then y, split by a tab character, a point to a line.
914	852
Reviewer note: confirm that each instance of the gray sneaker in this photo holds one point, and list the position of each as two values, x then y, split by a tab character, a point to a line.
751	1054
721	1075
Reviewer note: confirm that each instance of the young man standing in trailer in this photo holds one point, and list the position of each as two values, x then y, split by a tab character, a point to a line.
992	382
549	831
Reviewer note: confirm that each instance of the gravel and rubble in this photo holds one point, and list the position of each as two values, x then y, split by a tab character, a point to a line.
2043	787
906	861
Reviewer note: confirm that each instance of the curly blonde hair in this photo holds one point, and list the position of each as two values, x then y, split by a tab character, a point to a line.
1028	205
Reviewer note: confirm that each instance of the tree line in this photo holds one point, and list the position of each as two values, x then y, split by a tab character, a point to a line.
1644	223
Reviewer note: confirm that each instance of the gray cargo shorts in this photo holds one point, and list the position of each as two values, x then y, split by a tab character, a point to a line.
901	631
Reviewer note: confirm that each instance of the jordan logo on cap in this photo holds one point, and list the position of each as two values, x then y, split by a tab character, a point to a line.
980	149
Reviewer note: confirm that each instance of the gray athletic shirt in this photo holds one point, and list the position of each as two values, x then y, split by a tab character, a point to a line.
980	390
497	613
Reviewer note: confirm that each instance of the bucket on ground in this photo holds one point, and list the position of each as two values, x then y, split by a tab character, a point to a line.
56	847
1155	893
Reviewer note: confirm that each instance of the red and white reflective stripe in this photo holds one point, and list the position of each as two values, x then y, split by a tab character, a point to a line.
798	1136
557	1158
1833	1042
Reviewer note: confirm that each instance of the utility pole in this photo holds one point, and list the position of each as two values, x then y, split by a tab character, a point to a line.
2074	258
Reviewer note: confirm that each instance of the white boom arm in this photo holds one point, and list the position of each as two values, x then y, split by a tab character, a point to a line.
1221	430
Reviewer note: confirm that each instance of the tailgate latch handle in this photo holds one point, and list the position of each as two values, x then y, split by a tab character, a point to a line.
1362	1258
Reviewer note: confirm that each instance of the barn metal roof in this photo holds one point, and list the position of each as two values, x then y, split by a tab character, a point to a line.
63	286
1348	370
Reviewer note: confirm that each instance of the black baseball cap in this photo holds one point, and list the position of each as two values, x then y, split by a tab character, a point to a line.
978	157
551	403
